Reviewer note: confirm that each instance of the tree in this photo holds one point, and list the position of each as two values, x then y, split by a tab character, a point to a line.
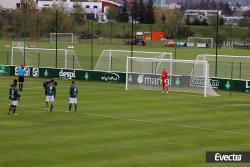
163	19
213	5
220	5
226	10
28	4
111	14
247	14
123	15
141	10
149	12
135	10
78	13
187	20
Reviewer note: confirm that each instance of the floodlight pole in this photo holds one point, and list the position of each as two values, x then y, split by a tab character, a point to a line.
217	41
132	33
111	30
231	32
73	23
176	35
24	31
132	38
92	42
37	28
56	34
248	32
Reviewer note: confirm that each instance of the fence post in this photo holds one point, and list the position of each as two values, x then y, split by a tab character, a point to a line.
231	83
240	70
8	56
73	61
38	63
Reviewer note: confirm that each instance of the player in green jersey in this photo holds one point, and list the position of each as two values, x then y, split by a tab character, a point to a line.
14	97
50	95
73	91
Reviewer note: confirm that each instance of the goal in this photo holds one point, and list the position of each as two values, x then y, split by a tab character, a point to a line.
115	60
43	57
228	66
201	42
184	75
62	38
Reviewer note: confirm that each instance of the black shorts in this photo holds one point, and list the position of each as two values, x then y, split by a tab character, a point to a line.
21	78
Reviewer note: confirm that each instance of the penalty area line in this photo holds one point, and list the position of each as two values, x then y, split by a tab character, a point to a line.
166	123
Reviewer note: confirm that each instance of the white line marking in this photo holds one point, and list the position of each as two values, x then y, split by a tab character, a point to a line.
165	123
154	122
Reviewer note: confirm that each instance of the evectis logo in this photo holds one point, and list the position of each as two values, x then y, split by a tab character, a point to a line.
224	157
227	157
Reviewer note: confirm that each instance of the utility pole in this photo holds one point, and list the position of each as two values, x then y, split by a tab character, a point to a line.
217	41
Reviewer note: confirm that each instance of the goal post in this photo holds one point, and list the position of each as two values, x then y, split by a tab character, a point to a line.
115	60
62	38
201	42
241	65
44	57
189	76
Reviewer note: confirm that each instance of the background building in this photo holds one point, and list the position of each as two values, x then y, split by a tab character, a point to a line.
93	9
10	4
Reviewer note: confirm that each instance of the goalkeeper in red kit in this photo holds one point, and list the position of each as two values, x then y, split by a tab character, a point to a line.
164	80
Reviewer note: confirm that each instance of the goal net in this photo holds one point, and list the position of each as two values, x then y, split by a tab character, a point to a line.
184	75
201	42
115	60
62	38
228	66
41	57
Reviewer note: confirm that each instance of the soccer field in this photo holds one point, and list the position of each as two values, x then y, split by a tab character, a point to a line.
115	128
83	50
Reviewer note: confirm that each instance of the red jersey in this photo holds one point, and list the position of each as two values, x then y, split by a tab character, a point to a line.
164	75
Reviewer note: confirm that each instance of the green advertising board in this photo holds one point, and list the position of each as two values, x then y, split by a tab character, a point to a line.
116	77
70	74
5	70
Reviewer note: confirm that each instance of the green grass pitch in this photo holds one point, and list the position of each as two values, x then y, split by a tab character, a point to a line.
115	128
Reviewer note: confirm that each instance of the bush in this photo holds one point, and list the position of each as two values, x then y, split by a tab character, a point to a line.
1	34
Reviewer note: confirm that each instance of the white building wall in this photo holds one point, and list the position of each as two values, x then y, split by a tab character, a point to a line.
89	7
9	4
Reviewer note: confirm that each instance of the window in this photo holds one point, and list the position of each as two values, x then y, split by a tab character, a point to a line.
87	6
95	7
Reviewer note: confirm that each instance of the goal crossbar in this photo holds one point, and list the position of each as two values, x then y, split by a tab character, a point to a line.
115	60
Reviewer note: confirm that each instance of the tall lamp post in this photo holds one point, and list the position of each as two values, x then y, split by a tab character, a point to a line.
56	34
24	31
92	44
132	33
217	41
176	35
248	32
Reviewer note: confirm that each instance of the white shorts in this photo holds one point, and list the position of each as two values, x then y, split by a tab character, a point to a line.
72	100
14	102
50	99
